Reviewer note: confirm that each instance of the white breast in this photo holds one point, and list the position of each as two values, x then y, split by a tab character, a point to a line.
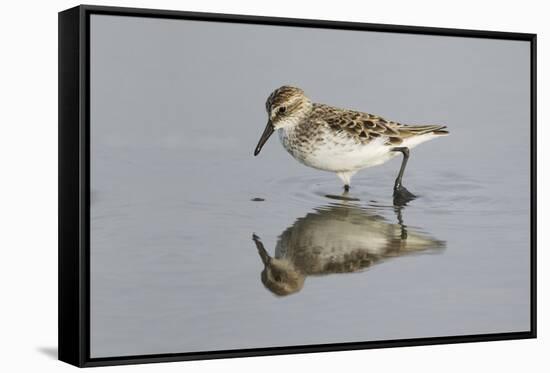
337	153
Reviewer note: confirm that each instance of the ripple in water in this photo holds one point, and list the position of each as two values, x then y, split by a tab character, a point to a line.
444	193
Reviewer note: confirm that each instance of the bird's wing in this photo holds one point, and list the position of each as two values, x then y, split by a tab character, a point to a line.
365	127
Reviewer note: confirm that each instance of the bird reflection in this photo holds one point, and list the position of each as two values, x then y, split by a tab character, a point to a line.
337	238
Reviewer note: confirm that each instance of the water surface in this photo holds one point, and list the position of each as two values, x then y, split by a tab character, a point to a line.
177	197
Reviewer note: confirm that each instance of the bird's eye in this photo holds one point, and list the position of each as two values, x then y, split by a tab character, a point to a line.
281	110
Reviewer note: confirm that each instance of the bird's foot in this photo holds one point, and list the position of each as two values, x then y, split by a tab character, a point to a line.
401	196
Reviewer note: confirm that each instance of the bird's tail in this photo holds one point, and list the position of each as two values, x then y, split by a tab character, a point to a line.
424	129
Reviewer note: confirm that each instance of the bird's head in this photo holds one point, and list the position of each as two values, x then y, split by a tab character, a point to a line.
281	278
286	107
279	275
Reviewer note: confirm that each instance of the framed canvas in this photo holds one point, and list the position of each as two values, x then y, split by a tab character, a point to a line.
237	186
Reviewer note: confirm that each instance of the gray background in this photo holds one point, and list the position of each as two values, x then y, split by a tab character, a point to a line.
176	110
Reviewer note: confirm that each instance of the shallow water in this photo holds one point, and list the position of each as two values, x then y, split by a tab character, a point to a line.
174	262
177	195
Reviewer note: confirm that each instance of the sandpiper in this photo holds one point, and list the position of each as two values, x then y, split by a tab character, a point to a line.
340	140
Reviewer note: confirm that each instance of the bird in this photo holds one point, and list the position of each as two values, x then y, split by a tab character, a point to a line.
340	140
337	238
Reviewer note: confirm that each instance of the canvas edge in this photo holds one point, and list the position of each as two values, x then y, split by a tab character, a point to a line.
210	355
533	181
71	189
304	22
68	294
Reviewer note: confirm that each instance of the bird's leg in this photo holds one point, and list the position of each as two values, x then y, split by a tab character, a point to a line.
400	194
345	176
402	225
399	179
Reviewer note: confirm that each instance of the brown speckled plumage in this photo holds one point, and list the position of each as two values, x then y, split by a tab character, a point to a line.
360	126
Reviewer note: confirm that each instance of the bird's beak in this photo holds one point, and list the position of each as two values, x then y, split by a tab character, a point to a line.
265	136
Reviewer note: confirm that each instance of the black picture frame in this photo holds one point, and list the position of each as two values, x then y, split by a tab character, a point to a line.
74	184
